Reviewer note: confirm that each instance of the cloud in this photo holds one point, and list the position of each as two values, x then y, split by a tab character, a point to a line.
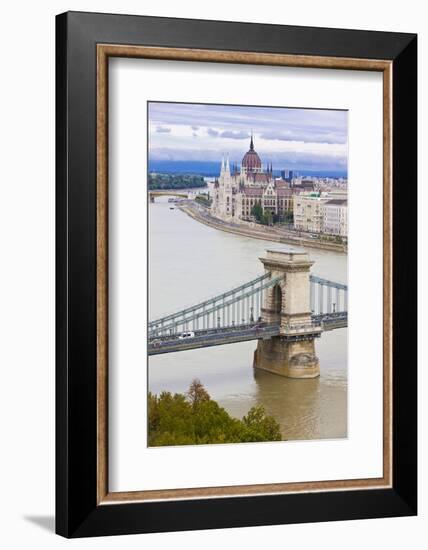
288	137
212	133
235	135
288	124
290	159
163	130
314	135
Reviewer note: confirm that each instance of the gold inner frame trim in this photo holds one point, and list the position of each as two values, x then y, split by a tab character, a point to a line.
104	51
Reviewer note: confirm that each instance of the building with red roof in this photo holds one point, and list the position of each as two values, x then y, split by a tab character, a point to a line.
237	191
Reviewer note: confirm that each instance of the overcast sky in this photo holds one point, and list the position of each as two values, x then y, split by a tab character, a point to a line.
309	139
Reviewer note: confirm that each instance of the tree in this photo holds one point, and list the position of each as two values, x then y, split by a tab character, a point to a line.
203	199
288	216
196	393
260	425
195	418
174	181
257	211
267	218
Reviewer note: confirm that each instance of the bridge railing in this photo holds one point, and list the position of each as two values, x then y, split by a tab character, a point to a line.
238	306
303	327
327	296
210	301
212	338
242	305
216	331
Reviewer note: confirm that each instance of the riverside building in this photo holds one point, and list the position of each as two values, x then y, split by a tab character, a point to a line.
336	217
321	213
238	190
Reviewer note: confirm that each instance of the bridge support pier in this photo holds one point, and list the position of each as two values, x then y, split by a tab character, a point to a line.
290	359
292	353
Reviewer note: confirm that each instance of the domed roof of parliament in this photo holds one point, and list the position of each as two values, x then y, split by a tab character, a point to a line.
251	160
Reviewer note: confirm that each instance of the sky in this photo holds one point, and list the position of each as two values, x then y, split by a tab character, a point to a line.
310	139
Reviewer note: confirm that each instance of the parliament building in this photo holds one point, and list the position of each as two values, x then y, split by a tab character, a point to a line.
238	189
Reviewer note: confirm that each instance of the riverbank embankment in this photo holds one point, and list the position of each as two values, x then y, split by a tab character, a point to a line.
202	215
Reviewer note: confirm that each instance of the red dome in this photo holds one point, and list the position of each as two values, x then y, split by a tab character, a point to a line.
251	160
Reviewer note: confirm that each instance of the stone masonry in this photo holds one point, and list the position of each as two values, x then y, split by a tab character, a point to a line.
292	353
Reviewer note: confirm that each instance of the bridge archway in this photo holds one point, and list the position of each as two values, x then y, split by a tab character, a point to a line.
276	300
273	305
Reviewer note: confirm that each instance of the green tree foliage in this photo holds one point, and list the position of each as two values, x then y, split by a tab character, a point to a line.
175	181
257	212
264	218
257	423
197	394
288	217
195	419
267	218
203	199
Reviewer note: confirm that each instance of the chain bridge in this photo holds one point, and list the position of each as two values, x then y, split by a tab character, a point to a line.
285	308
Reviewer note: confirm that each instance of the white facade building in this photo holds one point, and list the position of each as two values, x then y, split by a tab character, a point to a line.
321	213
336	217
308	212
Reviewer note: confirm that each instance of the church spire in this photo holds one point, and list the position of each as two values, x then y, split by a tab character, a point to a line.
227	164
222	166
251	142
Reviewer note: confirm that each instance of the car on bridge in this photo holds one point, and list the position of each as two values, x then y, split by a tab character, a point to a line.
185	335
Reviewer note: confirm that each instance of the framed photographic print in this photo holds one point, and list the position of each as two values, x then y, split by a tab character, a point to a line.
236	274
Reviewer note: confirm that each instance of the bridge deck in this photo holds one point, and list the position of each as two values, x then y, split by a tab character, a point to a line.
332	321
231	335
213	337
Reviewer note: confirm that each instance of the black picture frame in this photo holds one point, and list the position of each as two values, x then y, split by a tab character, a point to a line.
77	512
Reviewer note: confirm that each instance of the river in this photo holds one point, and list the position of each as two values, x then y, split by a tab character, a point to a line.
189	262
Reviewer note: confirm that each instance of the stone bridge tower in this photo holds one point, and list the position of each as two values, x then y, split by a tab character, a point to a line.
292	353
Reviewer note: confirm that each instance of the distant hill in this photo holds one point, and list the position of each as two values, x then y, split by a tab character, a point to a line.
212	169
175	181
209	169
